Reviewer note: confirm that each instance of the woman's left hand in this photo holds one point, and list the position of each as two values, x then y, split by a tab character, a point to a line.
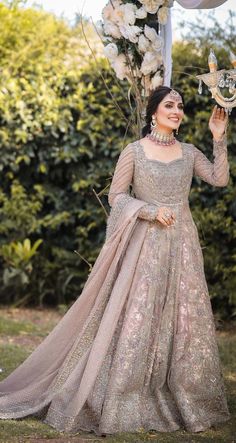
218	122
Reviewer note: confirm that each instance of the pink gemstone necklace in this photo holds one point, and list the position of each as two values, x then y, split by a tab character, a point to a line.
161	139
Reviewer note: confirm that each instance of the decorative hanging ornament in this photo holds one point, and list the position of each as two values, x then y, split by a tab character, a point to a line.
217	80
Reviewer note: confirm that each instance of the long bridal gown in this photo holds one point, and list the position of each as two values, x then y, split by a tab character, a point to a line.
138	349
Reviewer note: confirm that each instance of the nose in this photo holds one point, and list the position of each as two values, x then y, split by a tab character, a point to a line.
178	110
177	113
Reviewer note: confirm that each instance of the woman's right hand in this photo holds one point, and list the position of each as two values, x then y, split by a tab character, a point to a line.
165	216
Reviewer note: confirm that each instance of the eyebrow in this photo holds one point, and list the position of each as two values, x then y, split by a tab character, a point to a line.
171	101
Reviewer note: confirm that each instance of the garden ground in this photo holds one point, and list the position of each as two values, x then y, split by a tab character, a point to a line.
21	330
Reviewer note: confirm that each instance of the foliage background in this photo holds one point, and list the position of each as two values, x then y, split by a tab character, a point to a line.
60	136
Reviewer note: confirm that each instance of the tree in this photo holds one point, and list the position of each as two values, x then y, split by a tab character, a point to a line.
61	134
58	127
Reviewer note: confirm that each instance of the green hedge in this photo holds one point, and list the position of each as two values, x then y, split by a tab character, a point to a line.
60	137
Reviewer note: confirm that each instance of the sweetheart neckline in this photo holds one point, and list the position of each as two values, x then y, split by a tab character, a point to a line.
159	161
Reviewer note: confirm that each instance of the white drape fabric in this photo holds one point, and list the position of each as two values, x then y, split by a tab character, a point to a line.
201	4
166	31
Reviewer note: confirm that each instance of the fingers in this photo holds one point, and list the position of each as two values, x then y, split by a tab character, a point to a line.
218	113
162	221
169	220
165	222
213	112
213	115
166	217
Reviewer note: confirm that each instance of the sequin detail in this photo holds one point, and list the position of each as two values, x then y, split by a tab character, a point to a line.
138	348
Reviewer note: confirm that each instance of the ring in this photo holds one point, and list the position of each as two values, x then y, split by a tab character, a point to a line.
167	215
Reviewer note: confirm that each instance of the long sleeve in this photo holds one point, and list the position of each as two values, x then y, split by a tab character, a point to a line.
122	179
216	173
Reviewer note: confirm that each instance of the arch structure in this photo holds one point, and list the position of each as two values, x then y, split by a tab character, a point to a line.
166	30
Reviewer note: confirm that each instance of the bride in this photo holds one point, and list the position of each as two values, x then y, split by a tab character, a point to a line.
138	348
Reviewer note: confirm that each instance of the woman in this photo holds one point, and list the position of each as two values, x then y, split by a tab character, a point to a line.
138	347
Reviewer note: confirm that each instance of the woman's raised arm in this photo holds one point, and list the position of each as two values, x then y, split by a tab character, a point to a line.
217	172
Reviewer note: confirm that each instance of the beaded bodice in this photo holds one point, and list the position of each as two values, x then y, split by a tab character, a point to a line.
155	181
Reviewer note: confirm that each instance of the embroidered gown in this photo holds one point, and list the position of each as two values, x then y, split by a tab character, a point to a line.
138	348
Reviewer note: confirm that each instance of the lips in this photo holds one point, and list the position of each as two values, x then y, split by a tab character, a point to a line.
174	119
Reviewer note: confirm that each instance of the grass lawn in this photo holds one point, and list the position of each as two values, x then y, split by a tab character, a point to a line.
23	329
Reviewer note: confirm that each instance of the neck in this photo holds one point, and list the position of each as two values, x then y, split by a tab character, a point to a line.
163	130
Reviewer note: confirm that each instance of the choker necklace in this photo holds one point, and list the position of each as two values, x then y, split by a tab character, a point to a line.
161	139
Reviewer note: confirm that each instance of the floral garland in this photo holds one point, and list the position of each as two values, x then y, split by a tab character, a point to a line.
131	29
131	32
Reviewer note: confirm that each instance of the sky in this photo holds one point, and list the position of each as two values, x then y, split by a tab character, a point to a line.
93	8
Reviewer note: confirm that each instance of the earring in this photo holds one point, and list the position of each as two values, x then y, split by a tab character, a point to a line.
153	123
177	131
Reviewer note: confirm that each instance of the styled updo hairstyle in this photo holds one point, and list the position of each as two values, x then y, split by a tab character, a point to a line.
154	100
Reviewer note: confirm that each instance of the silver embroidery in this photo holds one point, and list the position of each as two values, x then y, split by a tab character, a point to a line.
161	370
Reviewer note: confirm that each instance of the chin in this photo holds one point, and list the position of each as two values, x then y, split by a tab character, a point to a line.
173	128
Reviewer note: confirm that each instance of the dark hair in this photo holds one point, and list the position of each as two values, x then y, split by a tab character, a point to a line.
154	100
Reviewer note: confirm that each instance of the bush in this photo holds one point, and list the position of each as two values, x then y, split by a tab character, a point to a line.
60	137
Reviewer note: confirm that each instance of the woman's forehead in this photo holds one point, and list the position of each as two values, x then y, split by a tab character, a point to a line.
174	98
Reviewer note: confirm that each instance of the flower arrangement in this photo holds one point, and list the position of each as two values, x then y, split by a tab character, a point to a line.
133	44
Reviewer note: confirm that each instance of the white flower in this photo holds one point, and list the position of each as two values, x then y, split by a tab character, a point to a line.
151	62
156	80
121	14
158	44
108	12
157	41
162	15
111	29
143	43
130	33
126	14
150	33
120	67
111	51
141	13
152	6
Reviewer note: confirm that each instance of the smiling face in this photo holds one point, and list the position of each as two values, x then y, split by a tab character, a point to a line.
169	113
